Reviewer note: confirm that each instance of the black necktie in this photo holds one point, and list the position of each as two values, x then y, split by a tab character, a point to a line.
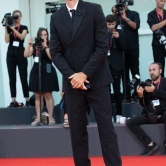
73	12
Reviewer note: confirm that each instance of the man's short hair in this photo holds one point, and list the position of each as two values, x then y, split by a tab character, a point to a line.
157	63
110	18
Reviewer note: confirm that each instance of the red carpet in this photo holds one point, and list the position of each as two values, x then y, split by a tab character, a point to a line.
96	161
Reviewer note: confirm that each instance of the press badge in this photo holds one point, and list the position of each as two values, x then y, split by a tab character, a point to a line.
16	43
36	59
119	27
108	53
156	102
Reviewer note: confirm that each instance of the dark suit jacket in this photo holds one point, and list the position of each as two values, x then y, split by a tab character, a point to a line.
116	60
158	93
81	46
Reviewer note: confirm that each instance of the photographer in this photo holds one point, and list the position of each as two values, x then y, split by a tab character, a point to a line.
157	21
129	21
153	99
113	9
49	80
116	45
15	36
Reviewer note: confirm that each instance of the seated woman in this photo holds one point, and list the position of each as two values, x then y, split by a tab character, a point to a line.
49	80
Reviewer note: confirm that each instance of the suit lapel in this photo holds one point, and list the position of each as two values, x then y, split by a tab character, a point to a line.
67	19
80	13
161	84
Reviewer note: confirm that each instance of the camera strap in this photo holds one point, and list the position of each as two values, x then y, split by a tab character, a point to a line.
37	52
161	18
153	107
14	34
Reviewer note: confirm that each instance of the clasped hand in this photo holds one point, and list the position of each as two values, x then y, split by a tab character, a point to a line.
149	89
77	81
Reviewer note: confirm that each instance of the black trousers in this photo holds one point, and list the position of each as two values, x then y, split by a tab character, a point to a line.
15	57
134	125
159	54
76	105
132	64
117	93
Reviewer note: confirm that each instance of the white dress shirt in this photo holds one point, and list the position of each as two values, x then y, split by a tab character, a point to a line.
75	8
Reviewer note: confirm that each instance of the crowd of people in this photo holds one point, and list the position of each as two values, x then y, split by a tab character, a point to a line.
88	72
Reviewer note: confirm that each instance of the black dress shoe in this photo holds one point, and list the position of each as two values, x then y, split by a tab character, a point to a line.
13	104
27	104
134	99
150	149
126	101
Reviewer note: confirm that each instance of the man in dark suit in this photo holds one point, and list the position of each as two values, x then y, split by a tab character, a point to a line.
78	47
153	99
116	46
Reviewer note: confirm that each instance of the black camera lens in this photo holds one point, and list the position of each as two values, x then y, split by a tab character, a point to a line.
38	41
9	22
134	82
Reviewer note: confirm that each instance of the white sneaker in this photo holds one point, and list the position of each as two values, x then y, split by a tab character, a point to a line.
122	120
118	118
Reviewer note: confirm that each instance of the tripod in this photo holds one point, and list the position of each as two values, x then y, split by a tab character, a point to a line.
124	72
39	48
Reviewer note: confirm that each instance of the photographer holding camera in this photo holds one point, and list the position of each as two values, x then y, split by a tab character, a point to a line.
157	21
116	46
113	9
49	80
153	99
129	21
15	35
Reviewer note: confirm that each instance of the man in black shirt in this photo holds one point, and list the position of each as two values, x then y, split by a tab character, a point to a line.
129	21
153	99
156	21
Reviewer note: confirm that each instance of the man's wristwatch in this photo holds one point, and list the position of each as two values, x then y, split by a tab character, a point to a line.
127	20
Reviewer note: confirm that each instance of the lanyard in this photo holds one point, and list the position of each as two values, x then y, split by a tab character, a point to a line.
110	41
14	34
37	52
161	18
158	86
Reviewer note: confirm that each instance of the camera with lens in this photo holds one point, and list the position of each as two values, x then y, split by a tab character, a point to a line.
52	7
161	35
10	20
38	41
121	3
110	33
136	82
